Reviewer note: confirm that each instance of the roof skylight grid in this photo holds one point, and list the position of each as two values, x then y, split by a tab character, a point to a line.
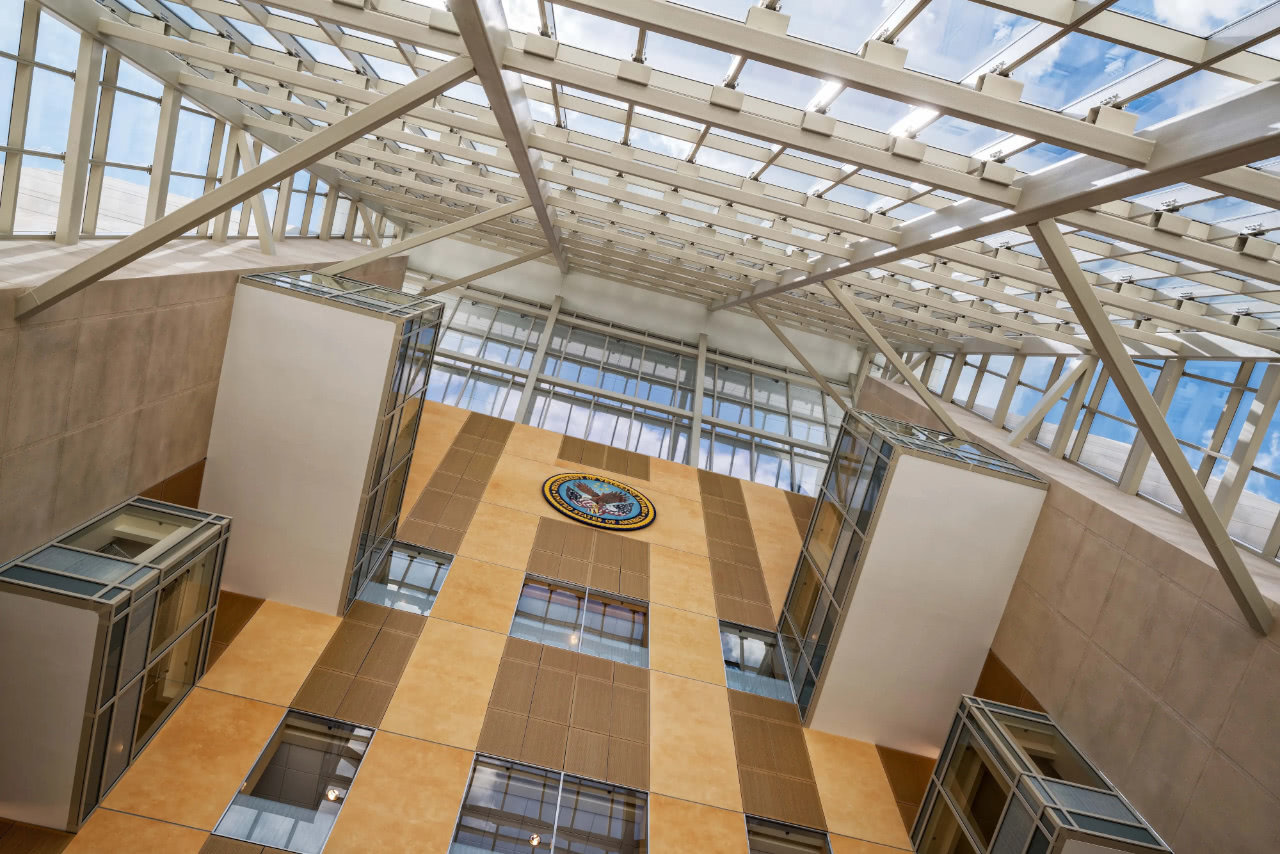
753	192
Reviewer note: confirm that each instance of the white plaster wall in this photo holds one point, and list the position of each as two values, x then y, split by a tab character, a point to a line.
46	661
938	571
634	307
298	403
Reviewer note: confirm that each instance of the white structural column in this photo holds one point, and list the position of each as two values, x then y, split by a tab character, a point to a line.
483	26
922	391
1006	391
1150	420
800	357
488	271
162	156
539	356
1245	453
1135	466
236	190
75	167
1051	397
427	236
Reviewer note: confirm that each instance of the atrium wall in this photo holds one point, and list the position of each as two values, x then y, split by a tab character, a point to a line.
1123	631
674	730
662	314
111	393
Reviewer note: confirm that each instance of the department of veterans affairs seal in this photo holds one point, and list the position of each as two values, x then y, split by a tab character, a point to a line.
598	501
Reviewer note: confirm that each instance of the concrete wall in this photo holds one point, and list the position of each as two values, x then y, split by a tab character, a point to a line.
111	392
634	307
1126	634
103	396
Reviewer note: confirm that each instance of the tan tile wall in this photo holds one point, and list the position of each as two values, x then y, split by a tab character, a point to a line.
672	728
1128	637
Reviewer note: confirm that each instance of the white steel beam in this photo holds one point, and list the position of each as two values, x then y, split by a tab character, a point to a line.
483	27
699	391
236	190
1231	133
427	236
825	63
1146	413
75	166
869	329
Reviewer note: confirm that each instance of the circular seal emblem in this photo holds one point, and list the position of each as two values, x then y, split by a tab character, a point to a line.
598	501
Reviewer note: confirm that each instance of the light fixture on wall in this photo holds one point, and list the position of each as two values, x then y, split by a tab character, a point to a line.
534	840
333	793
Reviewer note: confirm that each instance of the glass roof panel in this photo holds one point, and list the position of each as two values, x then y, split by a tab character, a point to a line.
777	84
189	17
596	34
845	25
326	53
1197	17
1181	96
260	37
472	93
1074	67
585	123
1037	157
846	195
867	110
790	179
660	143
722	160
685	59
1222	209
522	15
736	9
388	70
951	38
959	136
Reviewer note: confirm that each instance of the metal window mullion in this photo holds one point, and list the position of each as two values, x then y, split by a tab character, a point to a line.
211	169
18	117
230	160
539	357
699	390
1090	411
1253	434
330	211
350	232
162	156
308	206
75	166
1135	465
102	132
953	378
284	194
1006	393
